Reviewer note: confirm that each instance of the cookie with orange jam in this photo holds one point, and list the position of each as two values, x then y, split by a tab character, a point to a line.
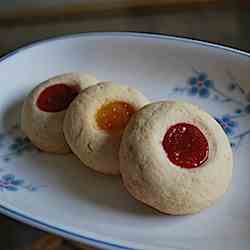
44	109
95	121
175	157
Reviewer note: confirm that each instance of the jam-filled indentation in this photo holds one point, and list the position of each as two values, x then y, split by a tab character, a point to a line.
57	97
185	145
114	116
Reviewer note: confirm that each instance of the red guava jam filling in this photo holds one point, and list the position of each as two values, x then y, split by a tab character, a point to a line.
57	97
185	145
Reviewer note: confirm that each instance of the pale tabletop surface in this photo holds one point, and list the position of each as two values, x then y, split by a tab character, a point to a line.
224	25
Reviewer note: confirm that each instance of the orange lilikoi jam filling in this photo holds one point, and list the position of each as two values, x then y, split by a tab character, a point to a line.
114	116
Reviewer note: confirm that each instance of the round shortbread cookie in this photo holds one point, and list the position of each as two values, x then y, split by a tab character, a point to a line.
94	123
44	109
175	157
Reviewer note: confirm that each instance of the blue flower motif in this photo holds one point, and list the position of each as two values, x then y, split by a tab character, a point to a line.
227	124
14	143
10	183
200	85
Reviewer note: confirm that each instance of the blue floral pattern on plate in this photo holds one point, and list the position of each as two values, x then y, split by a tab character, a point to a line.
14	144
201	86
227	124
9	182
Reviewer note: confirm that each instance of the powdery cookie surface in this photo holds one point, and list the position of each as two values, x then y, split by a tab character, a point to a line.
45	129
152	178
96	147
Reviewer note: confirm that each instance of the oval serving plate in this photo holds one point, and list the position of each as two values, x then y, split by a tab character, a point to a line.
57	194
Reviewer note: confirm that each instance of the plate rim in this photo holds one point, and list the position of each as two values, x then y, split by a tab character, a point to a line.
14	214
155	35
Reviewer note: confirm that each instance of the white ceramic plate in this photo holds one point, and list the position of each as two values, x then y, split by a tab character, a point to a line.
57	194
